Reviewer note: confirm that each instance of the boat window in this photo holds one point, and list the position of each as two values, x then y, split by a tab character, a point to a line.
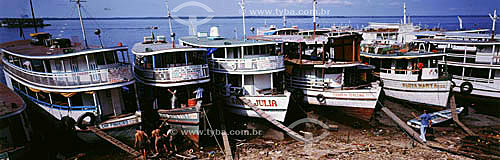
37	66
110	57
220	52
249	80
477	72
99	59
76	100
485	49
58	99
234	80
148	62
44	97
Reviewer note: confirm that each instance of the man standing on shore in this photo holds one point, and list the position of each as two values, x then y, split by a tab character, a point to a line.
425	123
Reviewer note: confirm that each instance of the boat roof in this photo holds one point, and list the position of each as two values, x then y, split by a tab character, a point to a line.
159	48
327	64
317	30
7	98
401	55
221	42
463	42
292	38
25	49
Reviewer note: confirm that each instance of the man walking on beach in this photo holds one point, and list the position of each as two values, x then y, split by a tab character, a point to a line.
425	123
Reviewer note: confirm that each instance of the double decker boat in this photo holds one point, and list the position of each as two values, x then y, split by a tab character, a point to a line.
249	69
326	71
410	74
73	83
175	82
474	65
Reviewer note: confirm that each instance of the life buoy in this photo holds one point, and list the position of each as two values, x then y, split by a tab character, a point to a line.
321	98
233	66
80	123
466	88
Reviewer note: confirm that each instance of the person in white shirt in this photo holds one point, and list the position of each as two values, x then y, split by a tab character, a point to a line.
199	97
174	98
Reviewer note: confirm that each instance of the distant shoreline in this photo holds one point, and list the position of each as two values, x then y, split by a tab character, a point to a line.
251	17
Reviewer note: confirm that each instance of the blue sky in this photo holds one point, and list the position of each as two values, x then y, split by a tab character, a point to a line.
156	8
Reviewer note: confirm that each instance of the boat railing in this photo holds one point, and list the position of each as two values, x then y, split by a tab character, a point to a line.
173	74
473	79
103	76
54	106
247	64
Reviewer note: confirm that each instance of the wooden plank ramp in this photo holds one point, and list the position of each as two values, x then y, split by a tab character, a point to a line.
227	147
402	124
273	121
454	114
115	141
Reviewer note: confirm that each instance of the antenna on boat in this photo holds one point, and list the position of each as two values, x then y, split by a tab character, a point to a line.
242	5
404	14
494	19
172	34
33	16
315	2
461	22
78	5
284	21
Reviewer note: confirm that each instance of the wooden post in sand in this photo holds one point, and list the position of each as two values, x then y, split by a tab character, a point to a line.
454	114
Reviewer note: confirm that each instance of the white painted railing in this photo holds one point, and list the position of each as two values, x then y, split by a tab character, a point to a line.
247	64
473	79
173	74
113	74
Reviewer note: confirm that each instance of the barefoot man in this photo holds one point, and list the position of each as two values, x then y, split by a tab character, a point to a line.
140	141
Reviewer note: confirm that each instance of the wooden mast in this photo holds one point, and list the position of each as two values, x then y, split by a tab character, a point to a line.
33	16
172	34
78	5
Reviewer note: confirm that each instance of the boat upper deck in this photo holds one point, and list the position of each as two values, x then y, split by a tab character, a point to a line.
402	55
319	39
460	42
26	49
158	48
210	42
10	102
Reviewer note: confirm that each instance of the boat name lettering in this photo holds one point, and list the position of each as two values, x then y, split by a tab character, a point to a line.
428	85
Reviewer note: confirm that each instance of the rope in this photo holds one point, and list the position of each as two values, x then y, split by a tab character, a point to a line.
209	125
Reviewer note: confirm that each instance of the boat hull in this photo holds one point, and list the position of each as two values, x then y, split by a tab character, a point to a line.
187	120
433	93
125	134
358	103
274	106
436	117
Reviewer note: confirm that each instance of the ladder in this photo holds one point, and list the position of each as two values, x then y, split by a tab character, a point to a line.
114	141
273	121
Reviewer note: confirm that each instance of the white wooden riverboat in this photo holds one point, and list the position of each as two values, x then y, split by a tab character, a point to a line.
248	69
160	67
412	76
89	86
326	72
73	83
